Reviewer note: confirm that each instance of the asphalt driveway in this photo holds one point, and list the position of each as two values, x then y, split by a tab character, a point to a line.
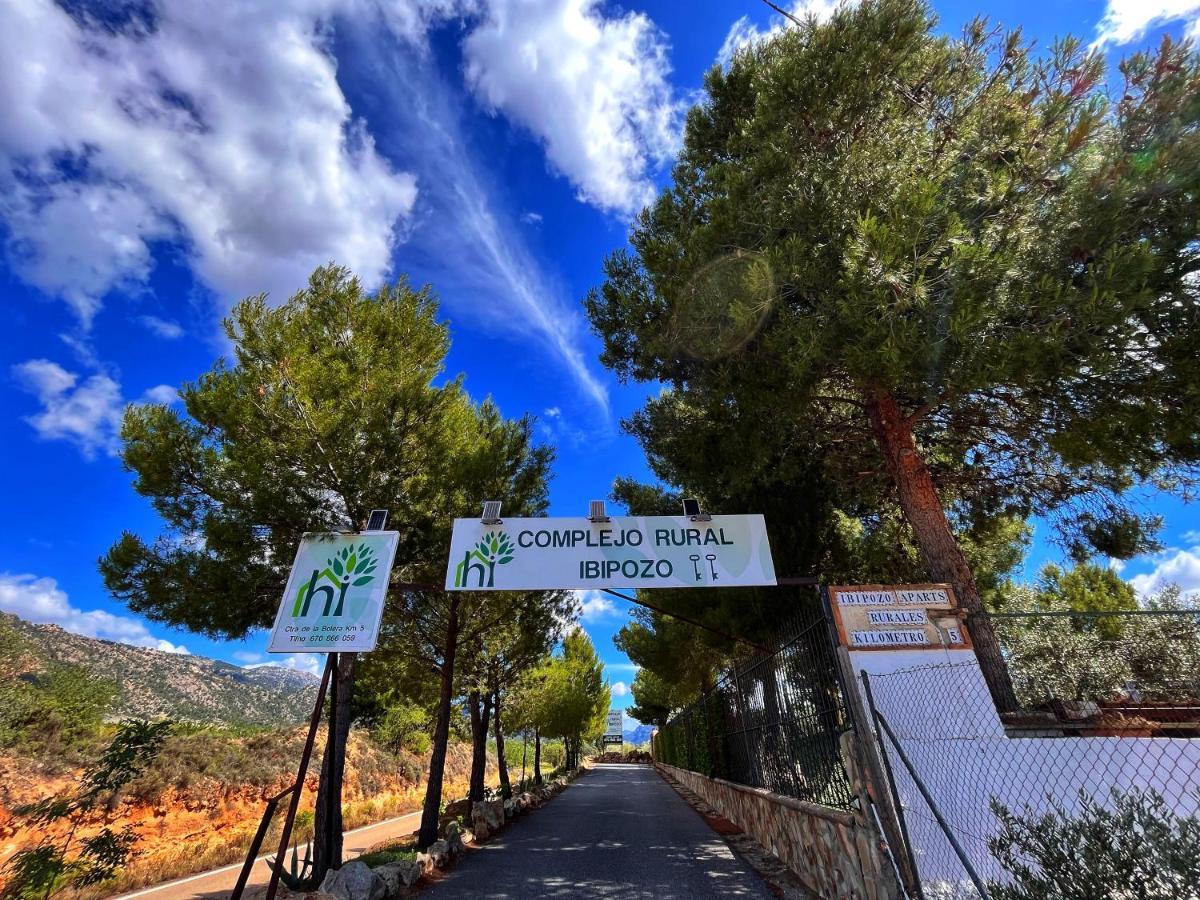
618	832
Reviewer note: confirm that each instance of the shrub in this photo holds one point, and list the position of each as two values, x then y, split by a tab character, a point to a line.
404	726
1134	847
57	864
58	710
404	851
553	755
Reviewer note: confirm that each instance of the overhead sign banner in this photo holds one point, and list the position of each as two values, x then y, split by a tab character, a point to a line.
627	551
900	617
335	594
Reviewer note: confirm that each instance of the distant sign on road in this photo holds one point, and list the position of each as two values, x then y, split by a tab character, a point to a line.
335	593
901	617
614	729
625	551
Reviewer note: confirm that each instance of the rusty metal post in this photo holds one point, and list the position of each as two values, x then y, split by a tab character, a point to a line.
314	723
256	844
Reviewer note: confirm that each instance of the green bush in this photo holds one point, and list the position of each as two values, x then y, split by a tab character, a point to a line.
404	726
57	864
554	755
1134	847
401	852
60	710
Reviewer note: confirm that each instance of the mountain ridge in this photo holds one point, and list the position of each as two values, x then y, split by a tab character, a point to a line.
154	684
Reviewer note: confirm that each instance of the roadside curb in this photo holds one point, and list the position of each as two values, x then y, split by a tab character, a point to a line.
779	878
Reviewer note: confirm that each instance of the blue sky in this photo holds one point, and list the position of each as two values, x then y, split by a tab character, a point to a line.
159	162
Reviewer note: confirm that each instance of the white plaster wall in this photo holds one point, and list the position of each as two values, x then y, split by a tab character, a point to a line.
939	706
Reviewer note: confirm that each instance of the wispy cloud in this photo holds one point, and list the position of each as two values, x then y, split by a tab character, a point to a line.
460	235
41	600
1126	21
162	328
619	688
743	32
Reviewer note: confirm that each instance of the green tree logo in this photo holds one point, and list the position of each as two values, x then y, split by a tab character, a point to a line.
352	561
352	566
494	549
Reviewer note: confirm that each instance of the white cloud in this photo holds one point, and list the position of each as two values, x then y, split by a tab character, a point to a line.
228	133
531	218
1181	567
594	605
592	87
40	600
1191	538
301	662
86	413
552	412
162	393
619	688
1117	565
743	33
162	328
1126	21
623	667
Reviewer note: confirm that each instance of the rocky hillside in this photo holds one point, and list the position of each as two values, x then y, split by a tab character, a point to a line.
154	684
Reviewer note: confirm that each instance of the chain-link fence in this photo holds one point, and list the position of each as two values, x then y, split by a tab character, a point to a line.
773	721
1091	790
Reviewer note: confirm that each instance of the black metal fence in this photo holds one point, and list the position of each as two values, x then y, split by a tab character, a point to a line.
773	721
1092	789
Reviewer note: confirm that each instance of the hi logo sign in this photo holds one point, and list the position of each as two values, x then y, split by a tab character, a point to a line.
350	567
478	566
335	593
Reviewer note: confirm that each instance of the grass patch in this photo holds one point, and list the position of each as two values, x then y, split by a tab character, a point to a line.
401	851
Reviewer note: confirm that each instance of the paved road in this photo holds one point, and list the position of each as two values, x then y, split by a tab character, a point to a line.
219	882
618	832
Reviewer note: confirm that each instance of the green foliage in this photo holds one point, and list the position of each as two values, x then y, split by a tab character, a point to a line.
1096	657
333	404
404	725
554	755
54	865
568	697
654	700
294	873
1132	846
402	852
58	710
884	244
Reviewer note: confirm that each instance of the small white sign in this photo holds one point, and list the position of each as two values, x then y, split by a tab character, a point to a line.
627	551
614	729
335	593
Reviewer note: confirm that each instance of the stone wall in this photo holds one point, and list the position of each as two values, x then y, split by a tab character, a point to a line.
834	852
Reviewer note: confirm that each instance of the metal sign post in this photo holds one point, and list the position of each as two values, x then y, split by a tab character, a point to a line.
332	604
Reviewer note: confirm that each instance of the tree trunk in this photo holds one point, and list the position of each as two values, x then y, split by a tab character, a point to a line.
501	762
327	824
441	735
924	511
480	708
524	755
537	756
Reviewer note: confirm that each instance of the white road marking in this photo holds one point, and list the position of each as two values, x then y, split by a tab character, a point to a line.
178	881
